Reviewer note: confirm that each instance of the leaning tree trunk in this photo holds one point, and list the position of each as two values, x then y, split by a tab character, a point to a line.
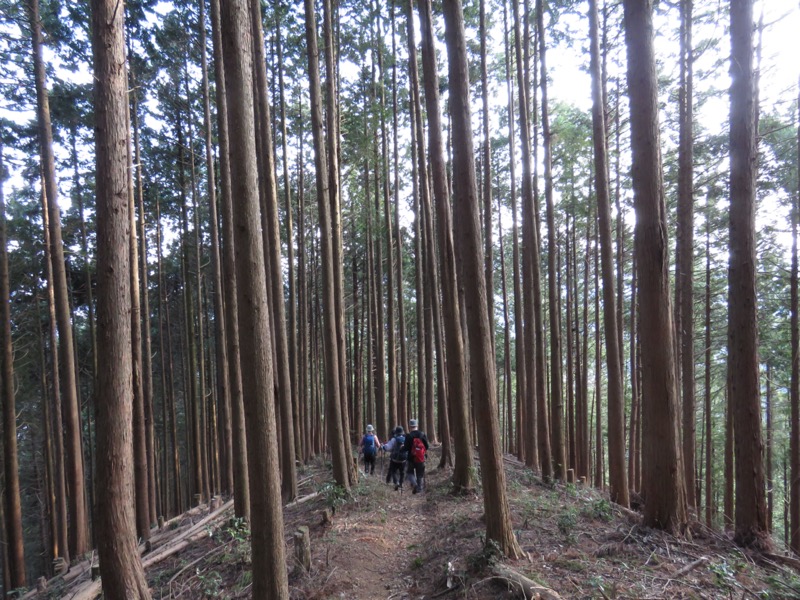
481	349
79	531
751	510
616	402
120	565
14	549
269	568
662	484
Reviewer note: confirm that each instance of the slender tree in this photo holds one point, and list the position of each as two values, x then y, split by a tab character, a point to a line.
14	549
79	532
616	401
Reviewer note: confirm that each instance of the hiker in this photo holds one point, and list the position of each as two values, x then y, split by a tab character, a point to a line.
416	447
369	446
397	458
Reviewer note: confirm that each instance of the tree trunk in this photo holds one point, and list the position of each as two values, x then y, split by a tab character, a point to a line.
241	491
553	292
467	226
273	256
616	401
662	485
519	346
269	568
794	390
337	439
707	380
751	510
684	250
79	532
120	565
14	548
61	474
456	376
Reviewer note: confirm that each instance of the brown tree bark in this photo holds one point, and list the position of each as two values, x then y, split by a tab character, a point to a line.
751	510
336	435
486	157
519	336
618	480
553	292
456	377
707	383
140	474
241	484
272	254
120	565
79	532
684	250
662	483
468	234
269	568
14	548
794	389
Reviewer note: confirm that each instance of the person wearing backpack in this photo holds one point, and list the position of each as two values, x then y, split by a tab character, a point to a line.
369	447
397	458
416	447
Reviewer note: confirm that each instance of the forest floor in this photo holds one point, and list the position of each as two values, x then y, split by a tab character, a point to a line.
381	544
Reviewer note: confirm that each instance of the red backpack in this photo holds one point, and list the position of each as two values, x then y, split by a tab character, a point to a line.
418	450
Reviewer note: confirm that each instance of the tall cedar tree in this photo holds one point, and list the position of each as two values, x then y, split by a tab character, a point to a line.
794	443
120	565
79	532
456	375
553	290
751	509
15	551
684	250
616	402
269	569
336	435
468	235
241	485
662	484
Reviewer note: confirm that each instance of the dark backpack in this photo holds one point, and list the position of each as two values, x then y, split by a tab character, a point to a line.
369	445
418	450
399	453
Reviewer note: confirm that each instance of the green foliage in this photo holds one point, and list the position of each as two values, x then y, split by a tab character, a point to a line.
210	584
600	509
334	495
566	522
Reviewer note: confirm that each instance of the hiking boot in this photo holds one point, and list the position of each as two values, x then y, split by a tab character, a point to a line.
397	486
415	490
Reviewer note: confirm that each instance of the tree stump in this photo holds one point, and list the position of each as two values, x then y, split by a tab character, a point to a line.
41	585
215	503
95	572
327	516
302	548
161	522
570	475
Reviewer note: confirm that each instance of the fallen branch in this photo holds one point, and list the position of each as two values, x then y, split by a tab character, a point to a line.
91	589
529	589
691	566
302	500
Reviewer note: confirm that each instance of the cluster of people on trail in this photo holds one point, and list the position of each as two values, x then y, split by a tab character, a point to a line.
407	453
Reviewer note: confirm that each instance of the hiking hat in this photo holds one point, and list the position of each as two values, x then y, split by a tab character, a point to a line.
412	424
370	428
398	430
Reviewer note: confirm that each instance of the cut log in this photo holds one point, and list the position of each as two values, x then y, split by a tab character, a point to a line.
527	588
